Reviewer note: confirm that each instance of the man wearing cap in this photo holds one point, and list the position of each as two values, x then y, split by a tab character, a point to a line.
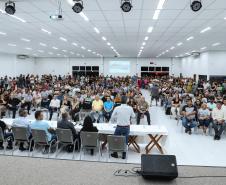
189	112
219	117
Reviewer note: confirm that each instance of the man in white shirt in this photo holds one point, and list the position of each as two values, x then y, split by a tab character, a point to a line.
123	115
219	117
22	121
54	106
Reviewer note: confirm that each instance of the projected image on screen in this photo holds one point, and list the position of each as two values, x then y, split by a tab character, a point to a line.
122	67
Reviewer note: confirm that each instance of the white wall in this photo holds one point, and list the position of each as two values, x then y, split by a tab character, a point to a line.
12	66
64	65
209	63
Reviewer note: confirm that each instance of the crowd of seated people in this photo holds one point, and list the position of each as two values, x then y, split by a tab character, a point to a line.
65	94
199	104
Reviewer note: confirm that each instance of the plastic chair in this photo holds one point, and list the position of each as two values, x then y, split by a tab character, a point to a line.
116	144
89	140
20	134
65	136
39	137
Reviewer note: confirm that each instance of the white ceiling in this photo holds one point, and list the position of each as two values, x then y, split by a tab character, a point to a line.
124	31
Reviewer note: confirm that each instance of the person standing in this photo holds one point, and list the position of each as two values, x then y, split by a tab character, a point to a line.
123	115
143	110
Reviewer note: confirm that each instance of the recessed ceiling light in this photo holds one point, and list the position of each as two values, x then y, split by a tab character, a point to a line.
203	48
172	48
94	52
190	38
150	29
225	18
89	50
84	16
75	44
96	30
160	5
142	47
112	47
216	44
46	31
104	38
179	44
10	44
144	43
28	49
63	39
156	14
146	38
83	47
205	30
42	44
2	33
108	43
167	51
54	47
25	40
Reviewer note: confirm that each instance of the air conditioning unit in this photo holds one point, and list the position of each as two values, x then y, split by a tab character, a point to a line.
22	57
195	54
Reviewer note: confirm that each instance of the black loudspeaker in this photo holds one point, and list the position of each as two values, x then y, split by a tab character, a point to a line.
159	167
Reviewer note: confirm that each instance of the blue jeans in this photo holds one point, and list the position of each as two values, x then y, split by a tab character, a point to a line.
188	124
100	118
218	128
122	131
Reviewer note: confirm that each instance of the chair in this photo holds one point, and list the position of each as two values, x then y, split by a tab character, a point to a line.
65	136
39	137
2	139
117	144
20	134
89	140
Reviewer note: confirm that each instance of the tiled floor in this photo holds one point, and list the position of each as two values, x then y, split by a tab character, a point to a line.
196	149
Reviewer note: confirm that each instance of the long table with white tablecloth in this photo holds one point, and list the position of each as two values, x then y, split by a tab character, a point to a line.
154	132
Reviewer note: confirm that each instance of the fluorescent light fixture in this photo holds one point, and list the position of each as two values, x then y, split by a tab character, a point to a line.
96	30
83	47
74	44
216	44
42	44
141	47
10	44
25	40
150	29
156	14
160	5
172	48
144	43
108	43
104	38
63	39
179	44
28	49
89	50
54	47
40	51
203	48
146	38
190	38
225	18
84	16
46	31
112	47
2	33
205	30
187	53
